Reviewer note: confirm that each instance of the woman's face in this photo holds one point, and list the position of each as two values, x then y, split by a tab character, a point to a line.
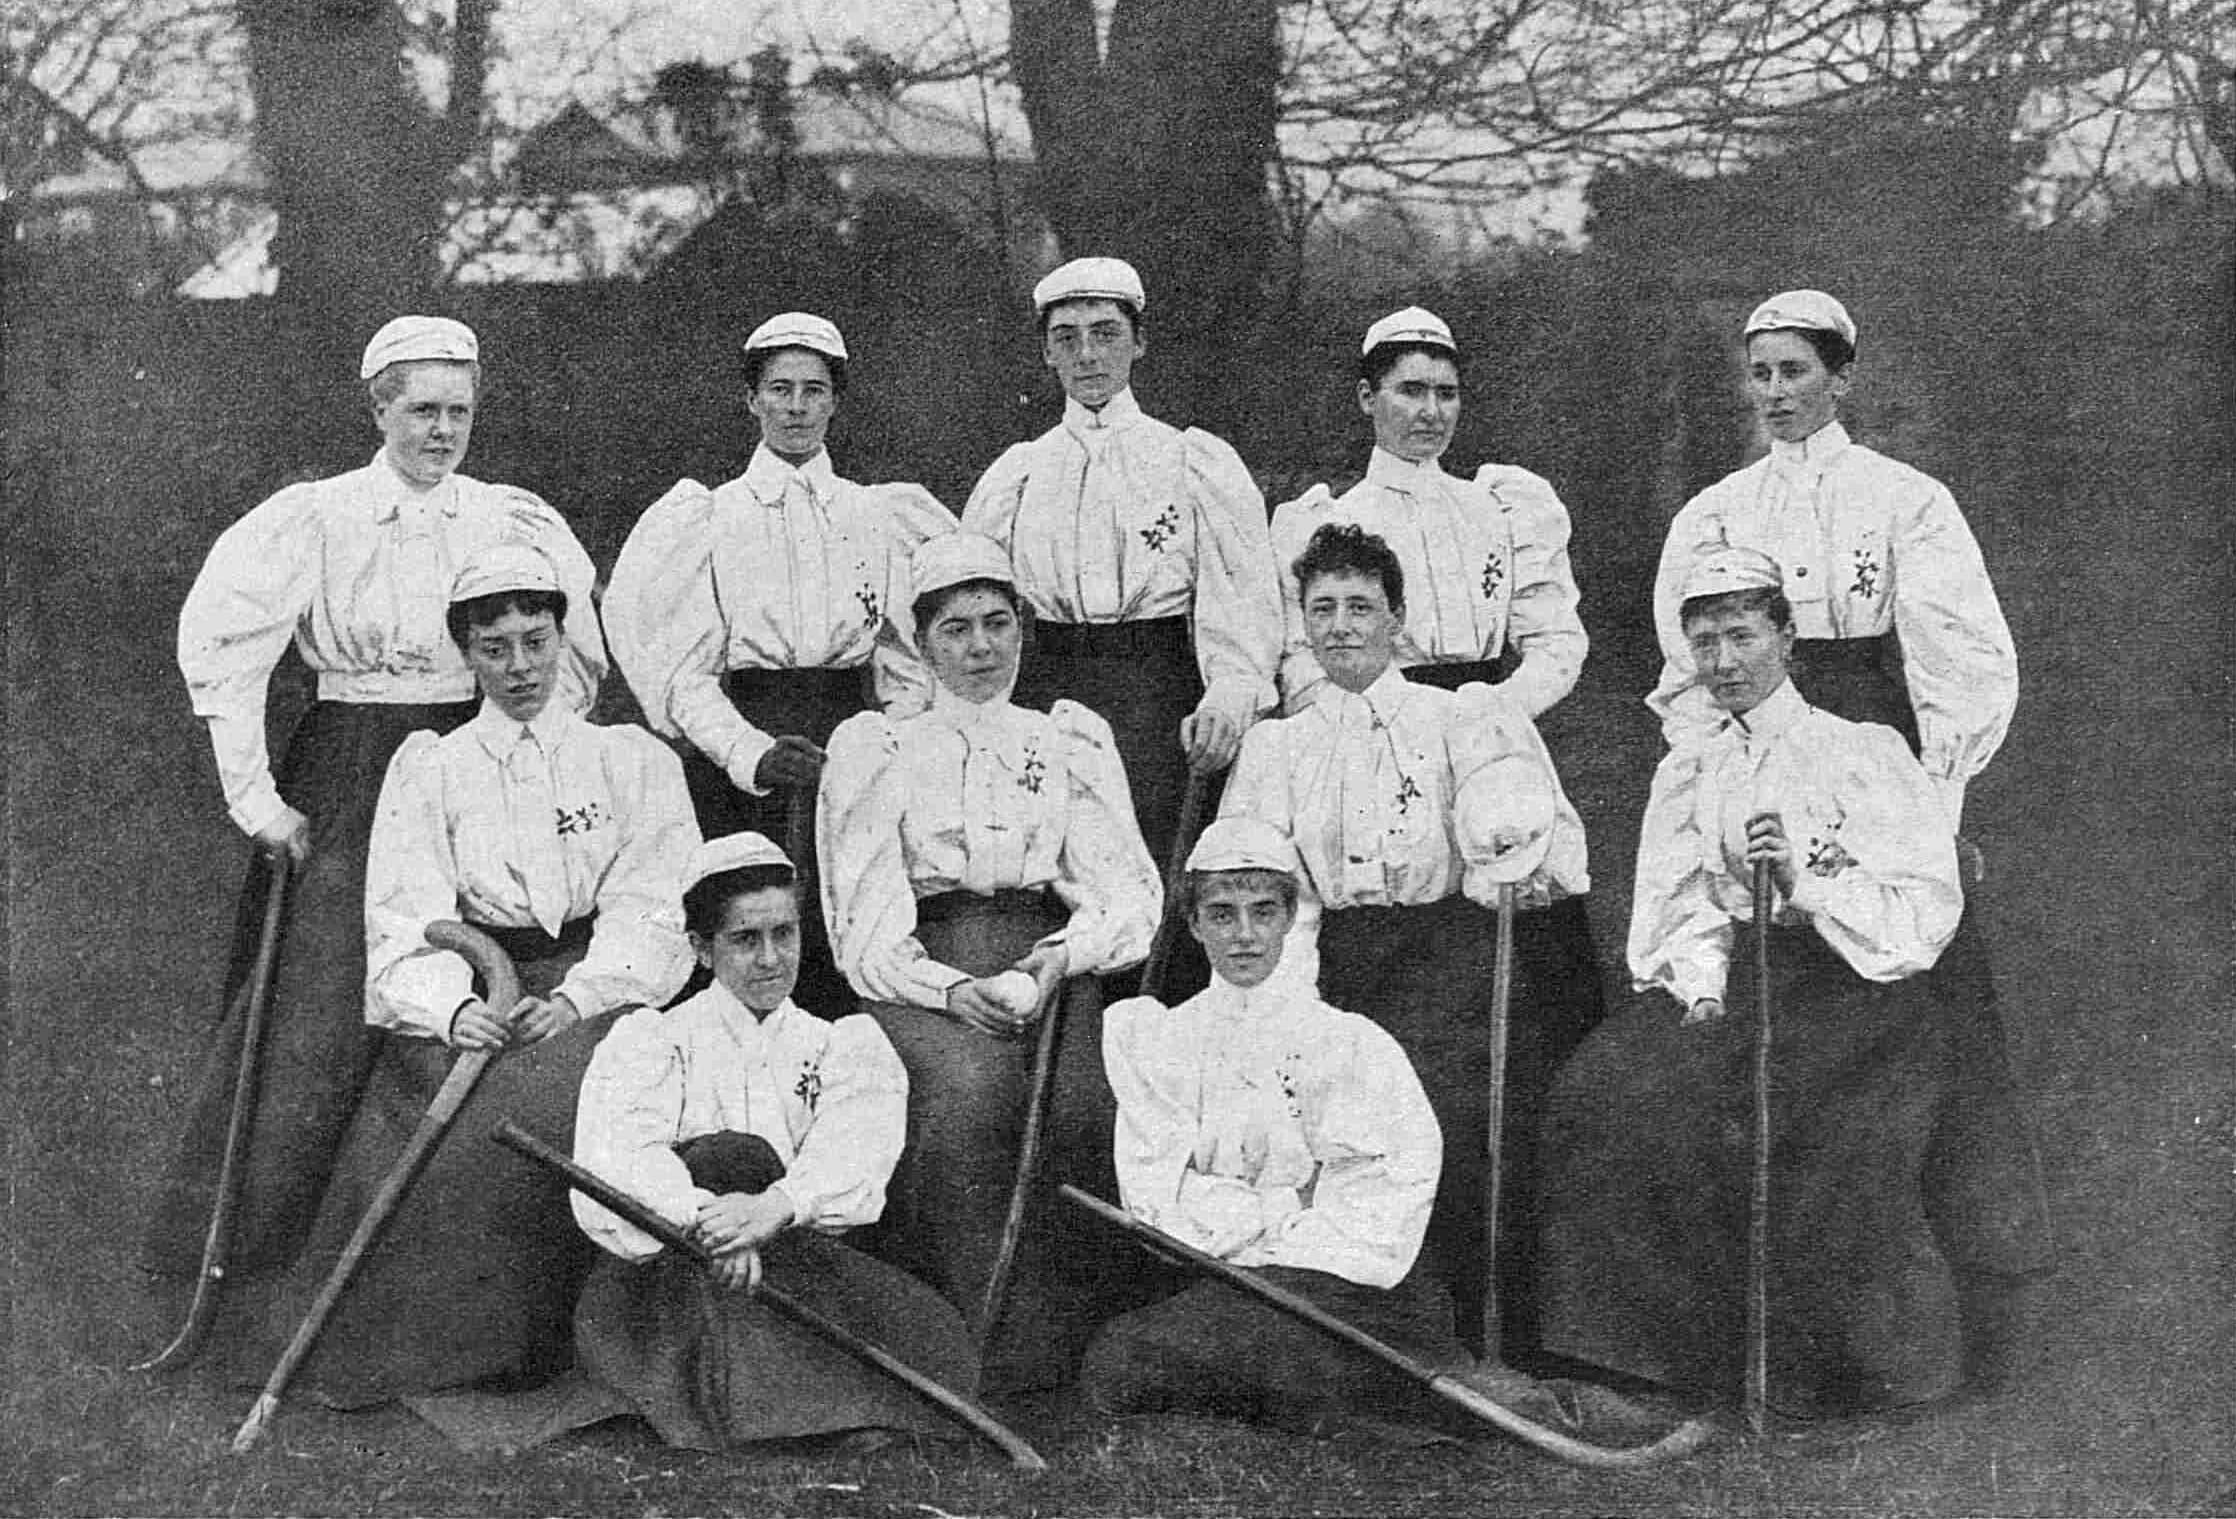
1741	655
794	403
516	661
1793	392
1415	407
972	643
425	429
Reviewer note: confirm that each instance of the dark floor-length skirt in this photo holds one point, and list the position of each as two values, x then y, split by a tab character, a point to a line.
708	1367
477	1273
1214	1349
317	1048
1649	1154
1141	678
1983	1180
967	1094
1425	974
810	703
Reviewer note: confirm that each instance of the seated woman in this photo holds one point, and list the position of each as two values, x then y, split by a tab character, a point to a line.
1410	805
977	855
1647	1131
565	843
1261	1125
770	1133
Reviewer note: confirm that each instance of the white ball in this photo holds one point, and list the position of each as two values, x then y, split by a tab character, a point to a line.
1016	991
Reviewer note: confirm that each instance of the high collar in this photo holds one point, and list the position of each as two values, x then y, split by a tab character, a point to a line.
1814	452
1772	717
1386	469
499	733
766	476
742	1020
977	718
1118	413
1277	994
395	491
1384	695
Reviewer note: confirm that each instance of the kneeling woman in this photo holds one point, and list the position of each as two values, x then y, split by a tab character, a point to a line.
768	1132
1647	1131
963	844
566	843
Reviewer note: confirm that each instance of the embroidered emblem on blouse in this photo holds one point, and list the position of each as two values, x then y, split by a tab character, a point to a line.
1407	793
581	819
1162	531
1827	857
1035	773
809	1088
872	610
1866	584
1494	574
1286	1074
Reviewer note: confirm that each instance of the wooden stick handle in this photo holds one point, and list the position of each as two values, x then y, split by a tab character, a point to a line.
1193	803
1755	1396
1039	1098
1685	1438
1502	997
503	990
635	1211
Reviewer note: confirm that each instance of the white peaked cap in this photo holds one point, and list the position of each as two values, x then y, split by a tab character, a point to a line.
1810	310
1415	324
419	337
1732	569
952	558
733	851
1243	844
504	566
798	329
1091	279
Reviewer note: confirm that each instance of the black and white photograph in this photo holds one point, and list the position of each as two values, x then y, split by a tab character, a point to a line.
1119	758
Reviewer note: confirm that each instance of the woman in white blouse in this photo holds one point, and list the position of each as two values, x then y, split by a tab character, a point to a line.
355	572
972	851
770	1134
751	619
566	843
1648	1160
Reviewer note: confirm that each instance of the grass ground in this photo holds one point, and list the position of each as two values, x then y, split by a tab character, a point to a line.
2106	829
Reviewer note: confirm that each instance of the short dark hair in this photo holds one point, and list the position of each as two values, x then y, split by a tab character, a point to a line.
757	364
925	609
1133	312
707	900
1767	599
1377	362
389	380
463	617
1282	883
1345	548
1833	351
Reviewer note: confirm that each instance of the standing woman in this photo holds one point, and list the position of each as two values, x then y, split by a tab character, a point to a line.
1142	551
973	850
567	844
752	619
1896	622
1648	1164
1409	805
355	571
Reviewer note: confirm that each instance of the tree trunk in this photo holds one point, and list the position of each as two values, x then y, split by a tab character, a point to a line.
360	165
1156	149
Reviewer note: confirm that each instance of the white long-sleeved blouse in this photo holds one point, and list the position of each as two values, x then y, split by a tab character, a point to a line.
1868	546
1875	858
1269	1129
512	826
1403	794
830	1098
979	797
783	568
1486	565
1114	516
357	570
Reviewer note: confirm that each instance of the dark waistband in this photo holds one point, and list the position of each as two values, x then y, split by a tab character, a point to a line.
835	681
1143	638
1879	652
1454	908
532	943
1451	674
1037	901
443	715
